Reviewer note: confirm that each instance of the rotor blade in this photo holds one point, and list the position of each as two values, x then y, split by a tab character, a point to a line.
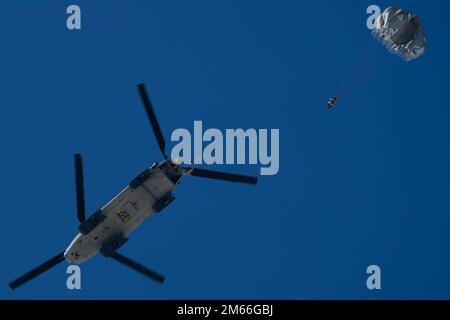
79	182
37	271
137	267
223	176
152	117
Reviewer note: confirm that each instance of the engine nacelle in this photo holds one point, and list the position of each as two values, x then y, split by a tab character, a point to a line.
110	247
160	204
92	222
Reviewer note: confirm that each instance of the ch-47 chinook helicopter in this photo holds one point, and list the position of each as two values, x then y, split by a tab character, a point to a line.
107	229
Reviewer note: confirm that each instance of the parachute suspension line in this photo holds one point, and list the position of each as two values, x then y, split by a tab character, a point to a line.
362	61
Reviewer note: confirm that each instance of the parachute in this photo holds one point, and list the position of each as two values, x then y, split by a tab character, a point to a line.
398	30
401	32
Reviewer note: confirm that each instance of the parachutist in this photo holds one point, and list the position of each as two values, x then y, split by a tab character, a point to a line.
332	102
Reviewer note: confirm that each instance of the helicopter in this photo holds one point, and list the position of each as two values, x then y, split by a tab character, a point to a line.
108	228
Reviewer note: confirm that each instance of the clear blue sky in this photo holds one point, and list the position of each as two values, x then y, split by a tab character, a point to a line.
367	183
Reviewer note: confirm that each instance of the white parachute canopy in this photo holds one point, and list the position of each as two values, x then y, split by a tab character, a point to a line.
401	32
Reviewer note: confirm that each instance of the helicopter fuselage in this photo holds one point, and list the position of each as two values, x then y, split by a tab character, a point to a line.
108	228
